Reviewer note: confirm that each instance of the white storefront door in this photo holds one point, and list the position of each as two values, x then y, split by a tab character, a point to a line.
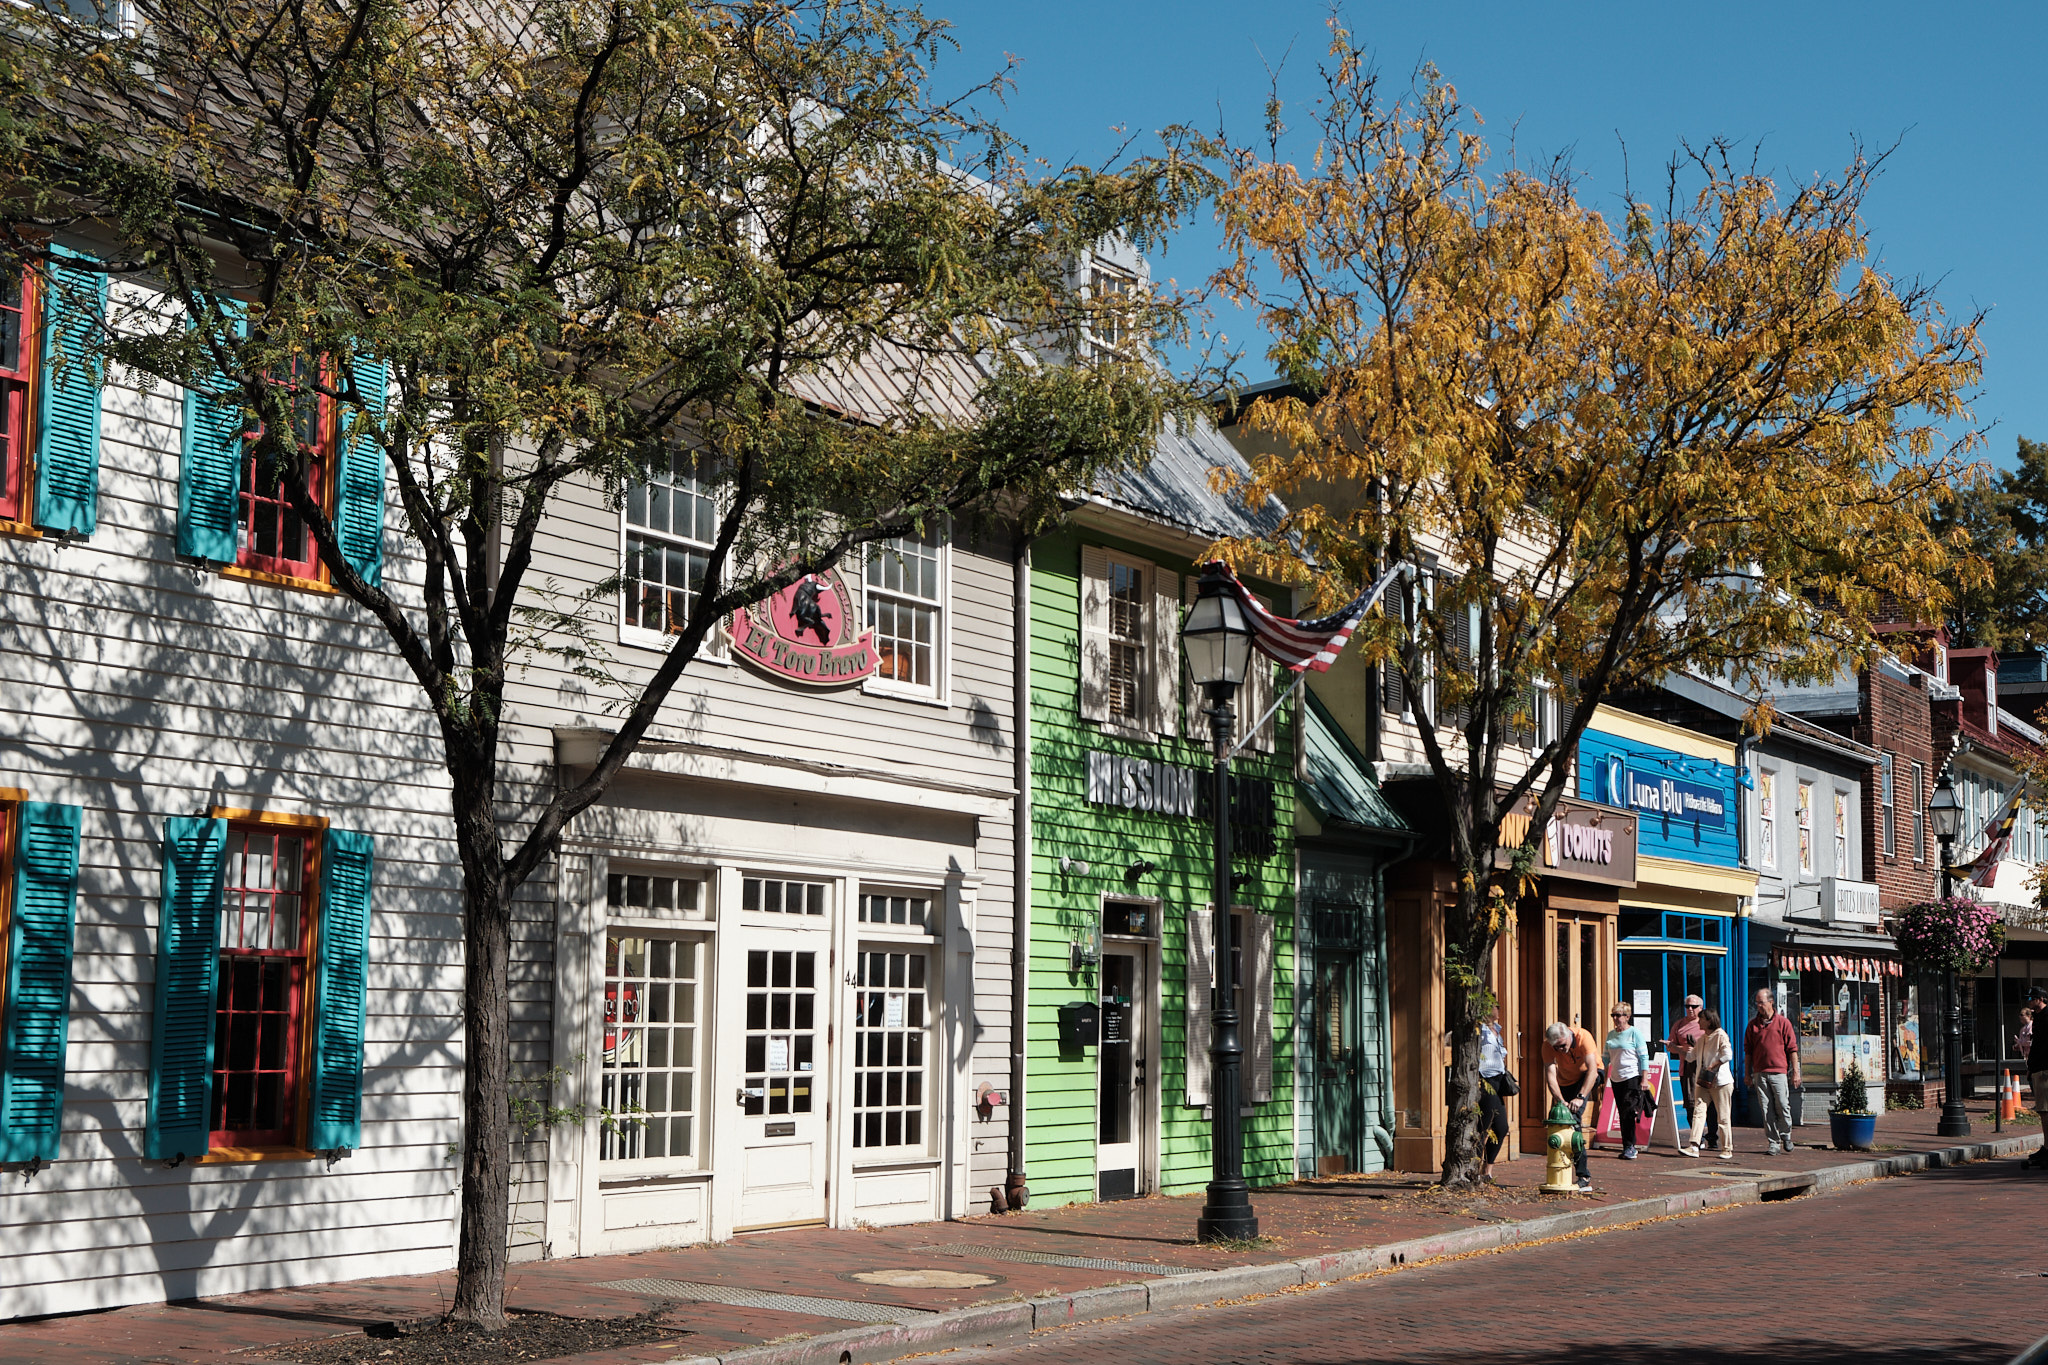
1125	1075
780	1103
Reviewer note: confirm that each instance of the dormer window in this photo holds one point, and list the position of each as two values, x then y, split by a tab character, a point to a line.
1111	296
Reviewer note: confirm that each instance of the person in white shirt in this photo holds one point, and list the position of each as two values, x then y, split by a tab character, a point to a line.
1713	1059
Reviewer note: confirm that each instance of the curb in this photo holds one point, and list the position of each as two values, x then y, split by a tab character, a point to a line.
991	1324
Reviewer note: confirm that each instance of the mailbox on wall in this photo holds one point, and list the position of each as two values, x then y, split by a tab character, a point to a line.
1080	1024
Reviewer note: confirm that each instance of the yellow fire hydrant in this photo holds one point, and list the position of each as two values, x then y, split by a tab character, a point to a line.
1565	1141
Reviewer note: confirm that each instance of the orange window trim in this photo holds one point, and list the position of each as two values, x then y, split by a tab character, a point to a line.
309	1003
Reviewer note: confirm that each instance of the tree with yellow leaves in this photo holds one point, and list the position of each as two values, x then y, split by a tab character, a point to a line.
1709	441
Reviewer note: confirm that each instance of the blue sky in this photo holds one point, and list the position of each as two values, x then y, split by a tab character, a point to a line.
1962	201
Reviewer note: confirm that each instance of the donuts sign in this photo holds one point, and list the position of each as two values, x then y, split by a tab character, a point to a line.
804	634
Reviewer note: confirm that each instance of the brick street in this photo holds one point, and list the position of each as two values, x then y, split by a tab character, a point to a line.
1946	1266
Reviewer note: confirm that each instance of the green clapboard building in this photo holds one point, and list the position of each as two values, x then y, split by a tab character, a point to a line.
1117	1083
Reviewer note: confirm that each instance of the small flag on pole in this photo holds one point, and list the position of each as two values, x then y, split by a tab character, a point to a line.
1997	835
1308	644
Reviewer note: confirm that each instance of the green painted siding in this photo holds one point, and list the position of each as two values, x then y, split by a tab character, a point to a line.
1061	1086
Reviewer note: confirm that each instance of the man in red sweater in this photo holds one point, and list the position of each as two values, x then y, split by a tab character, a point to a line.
1771	1049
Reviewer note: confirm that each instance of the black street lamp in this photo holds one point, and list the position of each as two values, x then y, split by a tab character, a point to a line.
1945	814
1218	639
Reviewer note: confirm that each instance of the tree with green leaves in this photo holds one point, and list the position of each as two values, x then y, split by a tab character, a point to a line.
2005	518
575	237
1705	438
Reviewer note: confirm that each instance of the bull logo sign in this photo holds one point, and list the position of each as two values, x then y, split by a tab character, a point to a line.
804	634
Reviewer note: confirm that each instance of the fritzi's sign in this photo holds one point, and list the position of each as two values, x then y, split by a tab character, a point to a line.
804	634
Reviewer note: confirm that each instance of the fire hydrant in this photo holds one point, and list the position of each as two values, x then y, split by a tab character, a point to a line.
1565	1141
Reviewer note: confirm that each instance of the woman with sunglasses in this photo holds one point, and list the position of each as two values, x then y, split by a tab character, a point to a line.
1628	1061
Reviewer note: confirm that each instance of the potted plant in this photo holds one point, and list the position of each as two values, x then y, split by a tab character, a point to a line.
1850	1122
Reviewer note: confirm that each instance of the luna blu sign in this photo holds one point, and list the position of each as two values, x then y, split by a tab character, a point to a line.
1655	793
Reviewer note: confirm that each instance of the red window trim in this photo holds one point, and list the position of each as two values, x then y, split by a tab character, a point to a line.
17	411
278	508
299	996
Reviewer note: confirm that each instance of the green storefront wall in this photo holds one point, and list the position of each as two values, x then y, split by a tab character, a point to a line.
1061	1084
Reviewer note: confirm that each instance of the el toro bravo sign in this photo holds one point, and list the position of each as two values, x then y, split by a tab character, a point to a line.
804	634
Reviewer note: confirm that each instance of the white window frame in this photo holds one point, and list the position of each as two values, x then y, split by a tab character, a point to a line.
694	925
1767	818
935	1063
939	693
903	933
1919	813
1802	815
1842	868
1887	777
1099	270
1142	723
714	648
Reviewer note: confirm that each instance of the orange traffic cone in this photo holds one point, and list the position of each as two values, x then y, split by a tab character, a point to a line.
2009	1098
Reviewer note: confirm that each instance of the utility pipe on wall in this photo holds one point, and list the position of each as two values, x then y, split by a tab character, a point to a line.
1013	1192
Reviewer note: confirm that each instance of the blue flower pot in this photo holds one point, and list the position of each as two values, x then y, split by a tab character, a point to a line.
1856	1132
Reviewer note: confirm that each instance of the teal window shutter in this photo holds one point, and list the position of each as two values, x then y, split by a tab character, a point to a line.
187	961
359	518
346	861
210	467
68	408
38	981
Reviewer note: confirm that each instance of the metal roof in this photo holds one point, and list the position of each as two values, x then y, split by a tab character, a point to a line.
1339	785
1174	485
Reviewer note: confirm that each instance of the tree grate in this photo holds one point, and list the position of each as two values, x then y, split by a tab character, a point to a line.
847	1310
980	1253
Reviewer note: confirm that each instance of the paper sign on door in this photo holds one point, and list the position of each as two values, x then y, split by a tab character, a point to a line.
778	1054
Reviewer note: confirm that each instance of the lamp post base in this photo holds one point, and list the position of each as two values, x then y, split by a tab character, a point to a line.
1228	1216
1954	1122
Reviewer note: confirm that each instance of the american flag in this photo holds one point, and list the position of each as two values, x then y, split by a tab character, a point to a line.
1997	839
1308	644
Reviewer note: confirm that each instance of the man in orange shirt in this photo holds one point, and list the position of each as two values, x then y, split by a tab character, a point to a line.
1571	1071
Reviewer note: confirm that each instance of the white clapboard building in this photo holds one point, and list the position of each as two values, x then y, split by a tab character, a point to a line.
232	950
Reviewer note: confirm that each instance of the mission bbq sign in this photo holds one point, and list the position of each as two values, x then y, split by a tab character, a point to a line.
1168	789
804	634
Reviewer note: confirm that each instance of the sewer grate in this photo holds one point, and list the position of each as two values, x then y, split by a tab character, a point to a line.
846	1310
1719	1172
981	1253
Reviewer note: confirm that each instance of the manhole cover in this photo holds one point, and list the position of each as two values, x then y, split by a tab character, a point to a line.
922	1279
1721	1172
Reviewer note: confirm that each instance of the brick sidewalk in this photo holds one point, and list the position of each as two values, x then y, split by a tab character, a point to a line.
921	1268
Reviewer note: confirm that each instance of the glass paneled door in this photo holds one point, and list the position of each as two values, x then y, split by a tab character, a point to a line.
782	1092
1125	1103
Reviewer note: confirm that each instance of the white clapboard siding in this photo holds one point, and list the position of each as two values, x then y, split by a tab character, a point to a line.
138	687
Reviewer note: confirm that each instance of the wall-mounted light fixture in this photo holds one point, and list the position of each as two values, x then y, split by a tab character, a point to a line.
1073	866
1144	867
1086	949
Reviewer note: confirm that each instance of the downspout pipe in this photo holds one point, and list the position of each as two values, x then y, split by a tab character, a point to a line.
1013	1193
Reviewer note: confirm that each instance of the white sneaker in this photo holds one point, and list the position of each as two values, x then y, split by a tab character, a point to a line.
1771	1150
1688	1151
1727	1156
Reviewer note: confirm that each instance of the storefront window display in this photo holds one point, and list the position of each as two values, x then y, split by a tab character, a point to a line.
1840	998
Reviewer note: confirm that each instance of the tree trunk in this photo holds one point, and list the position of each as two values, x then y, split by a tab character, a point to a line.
1468	999
480	1257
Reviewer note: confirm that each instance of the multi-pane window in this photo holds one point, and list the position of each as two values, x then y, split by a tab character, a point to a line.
266	912
1126	680
1767	818
905	600
671	524
653	893
1111	293
1841	834
890	1024
1918	795
908	911
1805	814
275	539
647	1090
17	387
780	1048
1887	825
775	897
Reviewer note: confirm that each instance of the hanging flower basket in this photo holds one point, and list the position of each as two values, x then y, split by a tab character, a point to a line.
1953	935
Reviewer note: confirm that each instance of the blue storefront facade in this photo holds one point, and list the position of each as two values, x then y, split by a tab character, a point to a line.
1683	929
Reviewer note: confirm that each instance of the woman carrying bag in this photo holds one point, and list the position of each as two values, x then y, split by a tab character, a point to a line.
1713	1059
1495	1083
